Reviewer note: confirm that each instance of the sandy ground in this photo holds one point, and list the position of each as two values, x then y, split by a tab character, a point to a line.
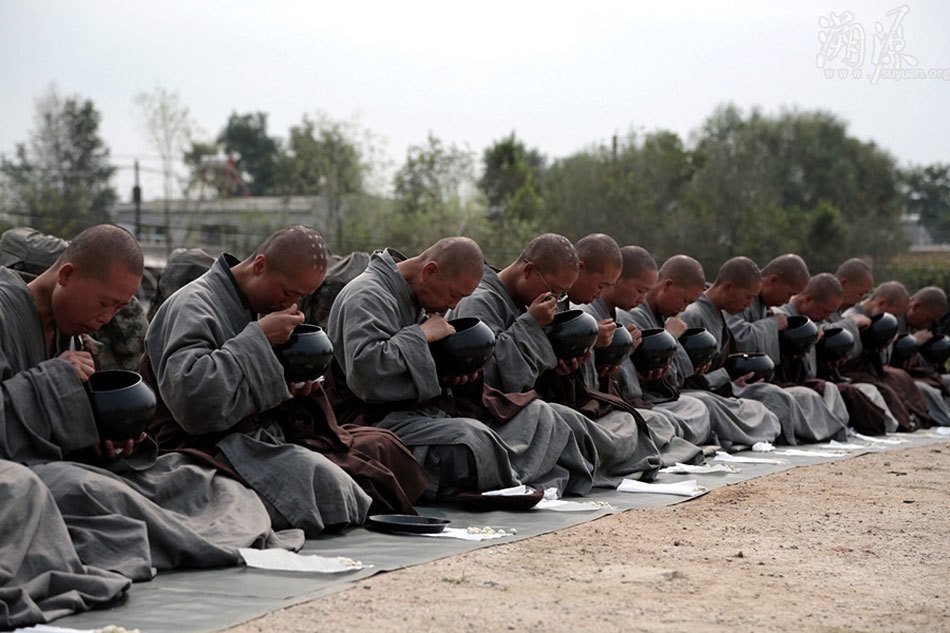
857	545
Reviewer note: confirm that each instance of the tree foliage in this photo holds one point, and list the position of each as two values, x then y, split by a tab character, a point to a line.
257	153
61	180
926	191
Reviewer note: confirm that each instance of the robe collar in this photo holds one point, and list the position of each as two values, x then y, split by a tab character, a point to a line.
494	283
383	264
225	261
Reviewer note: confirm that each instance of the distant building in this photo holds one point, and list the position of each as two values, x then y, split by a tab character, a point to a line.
234	224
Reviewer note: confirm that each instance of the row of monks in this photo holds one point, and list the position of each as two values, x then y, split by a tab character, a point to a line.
238	457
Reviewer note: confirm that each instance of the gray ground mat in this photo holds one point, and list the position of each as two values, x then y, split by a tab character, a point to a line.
210	600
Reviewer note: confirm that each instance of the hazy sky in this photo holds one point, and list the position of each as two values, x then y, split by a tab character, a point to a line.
562	75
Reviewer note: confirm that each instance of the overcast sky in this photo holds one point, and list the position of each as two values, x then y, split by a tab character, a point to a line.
562	75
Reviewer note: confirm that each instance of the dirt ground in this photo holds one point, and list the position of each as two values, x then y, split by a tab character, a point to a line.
856	545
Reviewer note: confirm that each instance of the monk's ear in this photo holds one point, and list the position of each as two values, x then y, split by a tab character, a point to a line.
65	273
430	269
259	265
580	267
773	279
527	270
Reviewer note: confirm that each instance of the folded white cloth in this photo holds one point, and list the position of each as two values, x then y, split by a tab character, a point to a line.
739	459
762	447
509	492
680	488
942	430
562	505
46	628
464	535
797	452
850	447
282	560
699	469
878	440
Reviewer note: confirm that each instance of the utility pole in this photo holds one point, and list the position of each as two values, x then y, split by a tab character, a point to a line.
137	199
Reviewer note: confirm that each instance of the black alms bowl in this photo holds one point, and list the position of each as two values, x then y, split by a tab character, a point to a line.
834	345
122	403
936	351
880	333
466	351
905	346
619	348
306	355
572	334
700	344
655	350
760	364
799	336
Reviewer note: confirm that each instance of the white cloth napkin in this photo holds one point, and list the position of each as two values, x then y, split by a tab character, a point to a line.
797	452
699	469
46	628
739	459
680	488
562	505
514	491
462	534
282	560
762	447
850	447
942	430
878	440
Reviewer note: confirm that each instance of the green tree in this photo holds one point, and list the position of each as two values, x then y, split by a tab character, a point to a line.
258	155
926	191
61	182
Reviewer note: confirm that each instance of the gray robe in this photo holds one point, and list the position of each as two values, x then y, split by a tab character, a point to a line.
214	367
937	405
140	514
732	420
41	576
804	414
811	360
383	353
678	426
614	444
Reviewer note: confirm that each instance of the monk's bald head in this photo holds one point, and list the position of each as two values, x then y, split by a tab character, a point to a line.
683	270
599	252
856	278
456	256
741	272
294	248
636	261
790	268
926	306
97	249
824	288
551	252
890	296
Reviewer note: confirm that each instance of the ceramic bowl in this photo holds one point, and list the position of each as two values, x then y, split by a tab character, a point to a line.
880	333
306	355
619	348
799	336
905	347
756	362
936	351
466	351
834	345
572	334
123	404
700	345
655	350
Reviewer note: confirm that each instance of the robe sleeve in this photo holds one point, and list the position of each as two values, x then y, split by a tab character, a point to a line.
754	334
384	361
522	351
44	413
701	315
208	386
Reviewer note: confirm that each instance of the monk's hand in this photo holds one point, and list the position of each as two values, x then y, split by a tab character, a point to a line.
565	367
461	379
605	332
781	320
278	326
860	320
608	370
922	336
543	308
302	389
675	326
656	374
699	371
110	449
742	381
636	335
82	363
436	328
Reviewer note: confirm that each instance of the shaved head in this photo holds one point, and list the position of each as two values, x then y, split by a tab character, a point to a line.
790	268
741	271
893	292
854	270
94	251
456	257
824	288
293	248
931	298
599	252
550	252
636	261
685	271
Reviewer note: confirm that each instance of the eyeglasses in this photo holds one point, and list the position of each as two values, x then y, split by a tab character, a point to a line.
557	295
